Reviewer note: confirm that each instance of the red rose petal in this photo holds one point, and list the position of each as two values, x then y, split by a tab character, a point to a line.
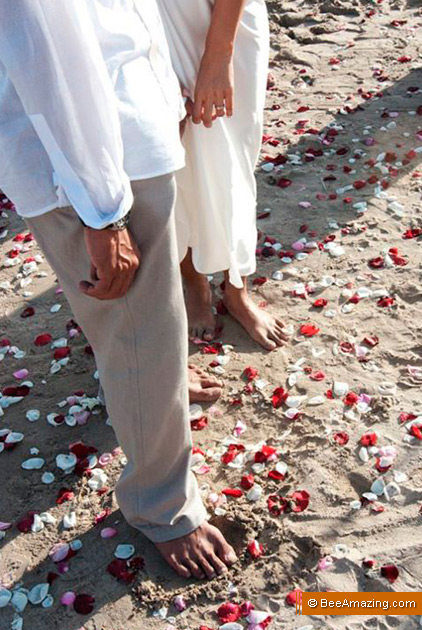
84	604
249	373
283	182
351	399
255	549
317	376
229	612
301	499
416	431
294	597
390	572
386	302
259	281
199	424
341	437
28	312
25	523
369	439
64	495
236	493
275	475
43	340
320	303
279	397
119	569
371	341
309	330
247	482
61	353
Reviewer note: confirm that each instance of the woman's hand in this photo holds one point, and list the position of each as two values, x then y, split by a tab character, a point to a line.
214	91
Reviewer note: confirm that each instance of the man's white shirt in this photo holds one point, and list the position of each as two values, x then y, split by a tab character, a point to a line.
88	102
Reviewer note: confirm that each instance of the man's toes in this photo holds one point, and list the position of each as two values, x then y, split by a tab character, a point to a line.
219	567
225	552
177	566
209	568
194	568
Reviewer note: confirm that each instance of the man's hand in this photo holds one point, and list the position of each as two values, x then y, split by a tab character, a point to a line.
115	259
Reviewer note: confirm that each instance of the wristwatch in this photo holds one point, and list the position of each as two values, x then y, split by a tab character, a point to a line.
117	226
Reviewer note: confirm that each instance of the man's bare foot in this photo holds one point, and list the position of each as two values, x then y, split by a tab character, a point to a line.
202	554
201	319
202	386
264	328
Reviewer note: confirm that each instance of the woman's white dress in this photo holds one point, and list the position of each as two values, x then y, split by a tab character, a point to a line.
216	208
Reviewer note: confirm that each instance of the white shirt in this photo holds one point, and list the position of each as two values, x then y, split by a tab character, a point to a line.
88	102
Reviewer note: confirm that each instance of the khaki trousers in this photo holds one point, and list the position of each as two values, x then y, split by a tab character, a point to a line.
140	346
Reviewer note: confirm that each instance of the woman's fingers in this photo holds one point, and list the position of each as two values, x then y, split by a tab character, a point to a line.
207	113
220	108
229	103
206	109
197	110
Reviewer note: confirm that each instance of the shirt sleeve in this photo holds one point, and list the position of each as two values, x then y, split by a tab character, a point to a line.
52	57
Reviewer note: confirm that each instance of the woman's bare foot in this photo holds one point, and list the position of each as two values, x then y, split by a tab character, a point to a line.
264	328
202	386
198	297
202	554
201	319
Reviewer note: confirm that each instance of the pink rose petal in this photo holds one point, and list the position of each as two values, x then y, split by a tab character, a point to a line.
108	532
68	599
21	374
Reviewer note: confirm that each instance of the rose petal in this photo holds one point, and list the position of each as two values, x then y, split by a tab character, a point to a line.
68	598
84	604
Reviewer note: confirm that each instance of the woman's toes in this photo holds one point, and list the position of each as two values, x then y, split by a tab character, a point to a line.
209	381
278	339
211	394
269	343
208	334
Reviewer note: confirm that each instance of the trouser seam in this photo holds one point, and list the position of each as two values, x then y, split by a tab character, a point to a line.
138	390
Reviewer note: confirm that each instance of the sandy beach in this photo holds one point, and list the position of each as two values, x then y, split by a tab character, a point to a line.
311	461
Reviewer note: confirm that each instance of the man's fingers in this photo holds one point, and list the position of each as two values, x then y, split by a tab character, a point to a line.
104	289
115	259
93	273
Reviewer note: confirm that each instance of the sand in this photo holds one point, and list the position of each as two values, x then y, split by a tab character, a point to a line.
342	108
